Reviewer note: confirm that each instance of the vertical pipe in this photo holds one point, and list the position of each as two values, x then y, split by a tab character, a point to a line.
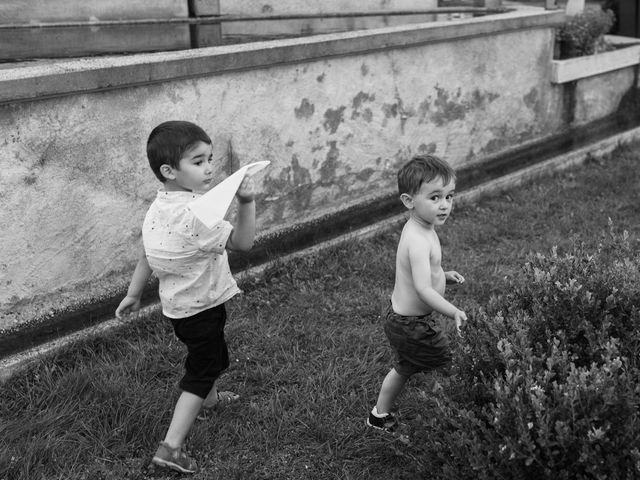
204	8
205	34
574	7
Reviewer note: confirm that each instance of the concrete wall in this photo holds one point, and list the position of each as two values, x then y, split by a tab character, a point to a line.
601	95
47	11
283	7
335	115
74	28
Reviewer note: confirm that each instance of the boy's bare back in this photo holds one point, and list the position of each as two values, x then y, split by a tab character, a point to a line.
418	266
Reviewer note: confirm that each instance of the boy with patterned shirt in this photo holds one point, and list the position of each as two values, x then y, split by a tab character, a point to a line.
190	261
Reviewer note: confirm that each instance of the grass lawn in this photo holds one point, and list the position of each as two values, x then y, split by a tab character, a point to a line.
308	353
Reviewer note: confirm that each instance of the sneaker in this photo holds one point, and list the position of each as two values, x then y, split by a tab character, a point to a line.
174	458
388	423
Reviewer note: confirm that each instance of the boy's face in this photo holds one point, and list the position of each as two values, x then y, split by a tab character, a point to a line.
432	203
194	172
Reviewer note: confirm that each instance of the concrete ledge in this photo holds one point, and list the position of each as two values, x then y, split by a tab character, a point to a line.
14	364
571	69
20	82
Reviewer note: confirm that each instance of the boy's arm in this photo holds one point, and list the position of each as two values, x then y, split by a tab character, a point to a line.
421	274
131	303
244	230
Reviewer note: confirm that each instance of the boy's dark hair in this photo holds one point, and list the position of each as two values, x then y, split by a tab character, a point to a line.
420	169
169	141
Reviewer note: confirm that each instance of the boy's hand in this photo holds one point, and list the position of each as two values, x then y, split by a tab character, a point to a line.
459	317
247	191
128	305
453	277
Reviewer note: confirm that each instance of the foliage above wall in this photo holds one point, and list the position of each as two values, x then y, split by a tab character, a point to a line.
583	34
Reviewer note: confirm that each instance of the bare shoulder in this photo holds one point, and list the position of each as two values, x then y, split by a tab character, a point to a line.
415	235
416	242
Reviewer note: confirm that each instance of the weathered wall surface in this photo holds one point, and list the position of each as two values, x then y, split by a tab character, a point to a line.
75	183
256	7
599	96
26	11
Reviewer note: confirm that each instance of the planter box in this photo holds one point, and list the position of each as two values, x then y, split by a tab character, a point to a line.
571	69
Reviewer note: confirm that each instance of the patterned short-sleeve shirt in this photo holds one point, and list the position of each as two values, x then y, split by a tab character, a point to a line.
188	258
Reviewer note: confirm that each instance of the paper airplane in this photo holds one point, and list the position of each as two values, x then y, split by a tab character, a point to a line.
212	206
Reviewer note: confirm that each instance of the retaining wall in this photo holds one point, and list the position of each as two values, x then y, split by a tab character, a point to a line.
45	11
335	114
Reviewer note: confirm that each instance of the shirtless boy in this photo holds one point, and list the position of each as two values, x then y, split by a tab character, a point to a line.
427	186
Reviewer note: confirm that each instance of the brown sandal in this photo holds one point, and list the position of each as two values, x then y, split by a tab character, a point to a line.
224	398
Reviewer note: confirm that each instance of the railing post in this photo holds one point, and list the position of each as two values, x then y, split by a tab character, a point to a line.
574	7
204	8
551	5
205	34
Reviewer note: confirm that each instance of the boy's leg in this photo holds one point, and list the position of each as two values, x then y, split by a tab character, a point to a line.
170	453
212	397
381	417
184	414
391	387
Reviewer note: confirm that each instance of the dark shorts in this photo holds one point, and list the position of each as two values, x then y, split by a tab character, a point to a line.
419	343
207	354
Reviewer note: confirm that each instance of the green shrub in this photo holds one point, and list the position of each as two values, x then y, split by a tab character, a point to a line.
583	34
548	379
584	299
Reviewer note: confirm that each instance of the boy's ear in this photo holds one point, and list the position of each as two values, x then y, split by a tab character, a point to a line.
407	200
167	171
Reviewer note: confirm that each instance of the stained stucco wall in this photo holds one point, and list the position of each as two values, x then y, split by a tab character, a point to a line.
599	96
255	7
75	183
26	11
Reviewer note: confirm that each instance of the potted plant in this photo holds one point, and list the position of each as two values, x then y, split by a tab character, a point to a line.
584	48
584	34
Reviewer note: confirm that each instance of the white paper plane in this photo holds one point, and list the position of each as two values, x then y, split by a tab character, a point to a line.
212	206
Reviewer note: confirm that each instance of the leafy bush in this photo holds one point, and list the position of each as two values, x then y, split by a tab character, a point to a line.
583	34
548	382
584	299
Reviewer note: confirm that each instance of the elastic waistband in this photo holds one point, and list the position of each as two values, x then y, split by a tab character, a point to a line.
418	317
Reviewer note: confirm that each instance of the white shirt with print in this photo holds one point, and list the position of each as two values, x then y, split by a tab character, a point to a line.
189	259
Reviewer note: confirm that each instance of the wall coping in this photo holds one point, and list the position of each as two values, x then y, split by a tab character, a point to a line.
27	81
572	69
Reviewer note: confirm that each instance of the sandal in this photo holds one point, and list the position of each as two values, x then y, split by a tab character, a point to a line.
174	458
224	398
